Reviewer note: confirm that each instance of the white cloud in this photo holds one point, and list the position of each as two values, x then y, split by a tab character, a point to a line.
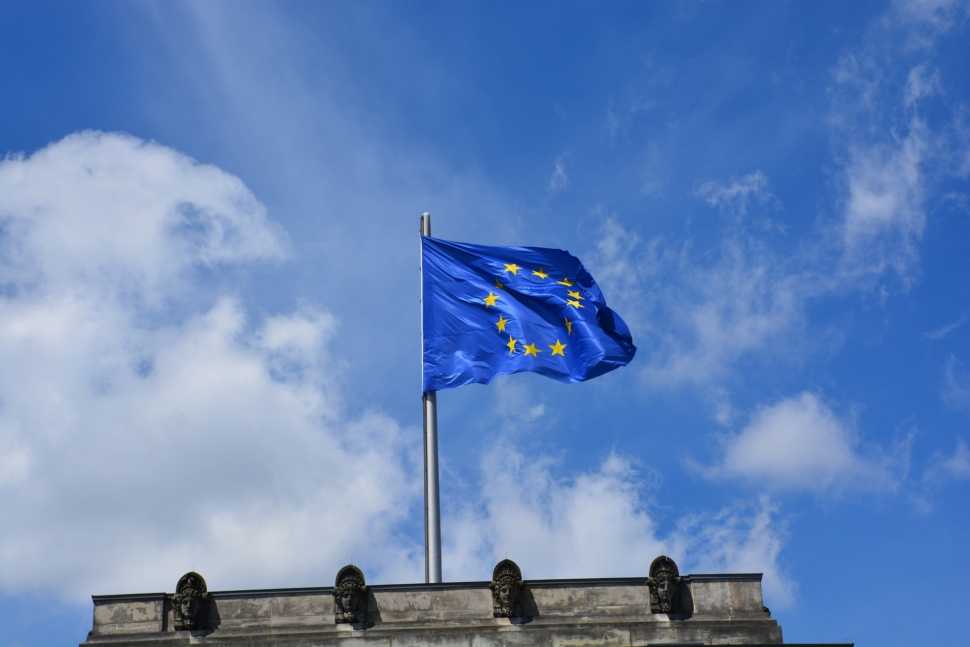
599	524
925	20
895	152
741	303
558	181
943	331
623	266
940	469
799	443
920	84
591	526
956	384
14	462
702	313
858	82
152	442
956	465
116	212
742	538
516	403
737	193
884	210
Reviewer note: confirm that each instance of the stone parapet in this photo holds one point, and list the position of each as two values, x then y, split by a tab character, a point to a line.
703	609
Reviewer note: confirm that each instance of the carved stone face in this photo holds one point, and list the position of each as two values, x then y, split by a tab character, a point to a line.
347	597
190	600
506	591
350	595
665	583
506	588
188	604
349	600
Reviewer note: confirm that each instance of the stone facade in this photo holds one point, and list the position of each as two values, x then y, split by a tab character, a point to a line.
706	609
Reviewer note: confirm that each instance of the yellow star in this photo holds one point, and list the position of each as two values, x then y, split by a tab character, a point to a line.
558	348
532	349
491	299
575	304
575	294
499	284
569	326
512	268
540	273
500	324
511	344
566	282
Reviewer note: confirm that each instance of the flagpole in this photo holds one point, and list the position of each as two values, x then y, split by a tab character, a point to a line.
429	401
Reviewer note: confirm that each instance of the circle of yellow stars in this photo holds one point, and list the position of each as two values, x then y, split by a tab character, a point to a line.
574	299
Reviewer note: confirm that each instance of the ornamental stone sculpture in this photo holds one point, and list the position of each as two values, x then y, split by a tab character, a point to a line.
664	583
506	589
190	602
350	596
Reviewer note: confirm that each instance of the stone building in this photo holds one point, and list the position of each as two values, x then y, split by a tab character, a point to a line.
661	608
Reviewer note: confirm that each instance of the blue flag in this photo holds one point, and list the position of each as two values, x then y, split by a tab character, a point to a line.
494	310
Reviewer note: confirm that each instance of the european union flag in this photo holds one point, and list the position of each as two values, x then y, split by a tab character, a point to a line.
493	310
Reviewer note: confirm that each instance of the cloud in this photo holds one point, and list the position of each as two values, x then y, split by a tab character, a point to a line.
943	331
940	469
623	267
956	465
742	538
799	443
166	215
734	308
925	20
152	441
899	140
598	523
920	84
737	193
558	181
956	384
884	212
702	313
589	526
740	303
858	82
699	313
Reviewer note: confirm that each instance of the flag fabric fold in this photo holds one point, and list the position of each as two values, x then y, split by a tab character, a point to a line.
494	310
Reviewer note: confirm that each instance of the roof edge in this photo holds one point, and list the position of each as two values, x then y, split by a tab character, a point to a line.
442	586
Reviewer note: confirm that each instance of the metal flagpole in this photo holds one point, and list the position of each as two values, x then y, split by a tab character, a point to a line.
429	401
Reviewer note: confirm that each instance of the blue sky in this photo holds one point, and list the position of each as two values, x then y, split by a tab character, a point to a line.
209	320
